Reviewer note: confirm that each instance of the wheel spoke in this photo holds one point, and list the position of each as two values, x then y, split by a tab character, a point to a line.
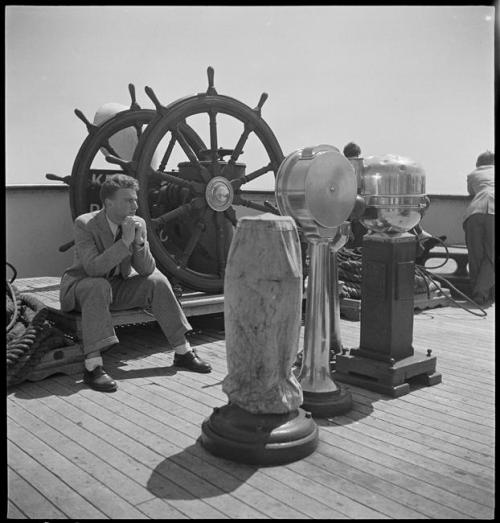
212	114
193	241
238	200
168	152
128	167
183	210
271	207
185	146
249	177
160	176
190	153
231	216
138	130
241	143
110	149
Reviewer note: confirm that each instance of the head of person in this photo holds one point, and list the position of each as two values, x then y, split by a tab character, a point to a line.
352	150
119	196
486	158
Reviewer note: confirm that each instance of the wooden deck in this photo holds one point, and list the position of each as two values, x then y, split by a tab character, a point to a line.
77	453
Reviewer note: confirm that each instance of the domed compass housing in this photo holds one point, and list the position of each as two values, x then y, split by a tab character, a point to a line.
393	188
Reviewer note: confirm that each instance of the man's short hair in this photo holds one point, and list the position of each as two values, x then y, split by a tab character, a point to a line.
486	158
352	150
115	182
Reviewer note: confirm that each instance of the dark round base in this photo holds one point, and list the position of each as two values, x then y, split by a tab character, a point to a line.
327	404
259	439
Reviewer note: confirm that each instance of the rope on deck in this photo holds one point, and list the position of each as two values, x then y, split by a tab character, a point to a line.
29	333
350	274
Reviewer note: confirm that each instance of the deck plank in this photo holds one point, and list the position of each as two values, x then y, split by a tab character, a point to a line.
416	454
386	462
160	393
13	512
468	434
117	458
48	485
197	428
72	449
394	425
384	432
102	498
145	456
157	442
448	438
157	508
33	504
76	453
290	496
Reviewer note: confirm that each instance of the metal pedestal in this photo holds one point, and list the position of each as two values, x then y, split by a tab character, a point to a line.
322	396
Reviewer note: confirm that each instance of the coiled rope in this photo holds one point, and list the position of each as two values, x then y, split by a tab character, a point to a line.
29	333
13	296
350	273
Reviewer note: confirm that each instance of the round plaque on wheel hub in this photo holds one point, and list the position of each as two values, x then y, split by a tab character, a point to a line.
219	193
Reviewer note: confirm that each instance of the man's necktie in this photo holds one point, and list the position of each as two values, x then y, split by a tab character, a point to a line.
118	233
115	271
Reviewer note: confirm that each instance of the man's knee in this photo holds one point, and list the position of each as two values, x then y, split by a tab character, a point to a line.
157	279
158	287
94	289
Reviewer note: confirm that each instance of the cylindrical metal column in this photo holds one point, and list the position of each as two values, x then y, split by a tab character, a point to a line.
335	338
315	371
322	396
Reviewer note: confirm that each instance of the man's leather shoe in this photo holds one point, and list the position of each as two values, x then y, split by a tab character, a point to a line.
191	361
97	379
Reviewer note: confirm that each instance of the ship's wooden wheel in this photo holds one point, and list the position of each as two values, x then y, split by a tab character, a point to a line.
190	210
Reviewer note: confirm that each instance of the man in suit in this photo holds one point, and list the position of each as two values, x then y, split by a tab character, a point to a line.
108	243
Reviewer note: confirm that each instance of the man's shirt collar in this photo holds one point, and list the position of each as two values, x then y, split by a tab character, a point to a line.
112	225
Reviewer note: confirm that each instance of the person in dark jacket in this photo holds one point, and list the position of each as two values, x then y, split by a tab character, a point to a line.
479	226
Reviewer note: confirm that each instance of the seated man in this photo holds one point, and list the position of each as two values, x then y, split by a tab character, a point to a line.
108	243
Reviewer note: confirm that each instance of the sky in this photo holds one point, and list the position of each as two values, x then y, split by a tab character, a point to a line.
414	81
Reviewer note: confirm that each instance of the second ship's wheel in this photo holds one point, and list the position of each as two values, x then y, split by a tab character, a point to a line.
190	210
90	168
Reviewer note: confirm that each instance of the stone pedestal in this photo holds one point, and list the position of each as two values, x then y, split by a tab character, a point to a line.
262	423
